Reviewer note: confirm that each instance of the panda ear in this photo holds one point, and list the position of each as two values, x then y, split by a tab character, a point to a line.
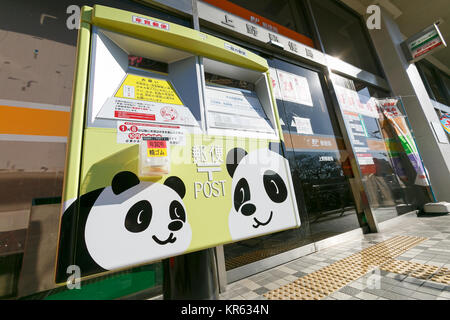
177	185
278	147
234	156
123	181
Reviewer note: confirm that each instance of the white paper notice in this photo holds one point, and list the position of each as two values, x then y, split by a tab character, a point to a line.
233	101
295	88
303	125
275	83
349	100
235	109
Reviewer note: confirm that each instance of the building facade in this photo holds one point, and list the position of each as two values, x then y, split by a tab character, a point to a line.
329	71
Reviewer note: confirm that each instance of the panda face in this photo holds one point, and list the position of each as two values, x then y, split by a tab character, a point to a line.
260	195
137	225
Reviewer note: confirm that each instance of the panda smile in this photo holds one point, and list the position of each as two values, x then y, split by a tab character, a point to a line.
258	223
170	239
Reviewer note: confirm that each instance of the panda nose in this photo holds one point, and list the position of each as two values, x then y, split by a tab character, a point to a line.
248	209
175	225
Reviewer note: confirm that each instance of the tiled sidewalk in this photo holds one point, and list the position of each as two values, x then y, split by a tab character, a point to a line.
375	285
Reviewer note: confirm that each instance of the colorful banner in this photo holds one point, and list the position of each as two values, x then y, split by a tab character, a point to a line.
395	117
445	121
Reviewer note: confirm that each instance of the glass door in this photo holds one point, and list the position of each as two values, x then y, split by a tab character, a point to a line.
315	147
319	163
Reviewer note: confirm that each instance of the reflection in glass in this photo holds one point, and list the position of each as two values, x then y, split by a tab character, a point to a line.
327	192
436	82
288	13
343	35
228	82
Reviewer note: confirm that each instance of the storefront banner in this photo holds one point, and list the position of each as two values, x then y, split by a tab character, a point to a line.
397	120
445	121
295	88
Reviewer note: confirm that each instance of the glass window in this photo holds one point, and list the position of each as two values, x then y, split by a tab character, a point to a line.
316	152
446	80
343	35
288	13
436	83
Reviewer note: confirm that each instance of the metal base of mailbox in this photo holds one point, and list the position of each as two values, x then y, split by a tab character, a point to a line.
191	276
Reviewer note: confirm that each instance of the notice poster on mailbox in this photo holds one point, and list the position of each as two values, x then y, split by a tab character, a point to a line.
148	99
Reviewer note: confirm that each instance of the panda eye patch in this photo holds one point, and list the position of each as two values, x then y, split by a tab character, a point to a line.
176	211
241	193
275	186
139	216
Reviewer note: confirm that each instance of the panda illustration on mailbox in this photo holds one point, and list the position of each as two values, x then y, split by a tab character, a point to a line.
259	191
127	223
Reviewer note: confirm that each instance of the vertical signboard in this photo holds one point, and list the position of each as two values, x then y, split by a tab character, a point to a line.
354	109
397	120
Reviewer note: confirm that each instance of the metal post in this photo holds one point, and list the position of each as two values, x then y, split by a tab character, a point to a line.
191	276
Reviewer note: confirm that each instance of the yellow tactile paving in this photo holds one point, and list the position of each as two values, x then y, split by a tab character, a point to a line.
294	292
331	278
383	252
417	270
321	282
348	269
342	271
442	276
373	260
397	243
425	272
366	259
400	266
